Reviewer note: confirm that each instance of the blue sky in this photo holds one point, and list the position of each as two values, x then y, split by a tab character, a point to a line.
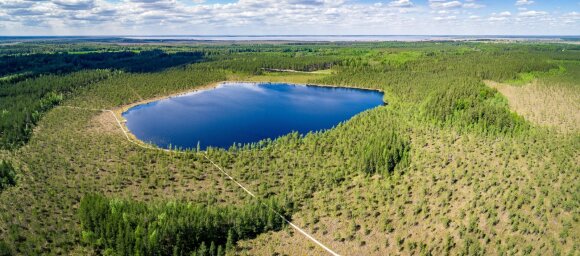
282	17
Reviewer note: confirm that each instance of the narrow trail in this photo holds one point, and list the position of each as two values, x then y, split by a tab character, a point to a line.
276	212
310	237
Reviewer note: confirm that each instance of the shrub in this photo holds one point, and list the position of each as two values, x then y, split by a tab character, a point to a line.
7	175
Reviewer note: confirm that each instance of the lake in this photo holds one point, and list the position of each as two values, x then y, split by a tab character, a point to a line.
236	112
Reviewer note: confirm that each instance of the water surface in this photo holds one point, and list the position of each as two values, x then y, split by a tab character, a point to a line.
244	113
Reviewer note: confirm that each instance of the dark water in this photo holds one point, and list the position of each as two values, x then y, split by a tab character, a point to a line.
244	113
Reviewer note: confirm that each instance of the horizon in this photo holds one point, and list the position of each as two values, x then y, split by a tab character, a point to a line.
288	17
300	35
184	35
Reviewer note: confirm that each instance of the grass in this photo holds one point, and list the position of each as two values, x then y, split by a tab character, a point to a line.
290	77
551	106
460	192
528	77
550	101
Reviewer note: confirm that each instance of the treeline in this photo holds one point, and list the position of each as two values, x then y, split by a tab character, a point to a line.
22	104
120	227
255	63
62	63
7	175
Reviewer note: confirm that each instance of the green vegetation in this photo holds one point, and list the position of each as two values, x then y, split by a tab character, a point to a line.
449	166
131	228
4	249
7	175
382	153
22	104
67	62
528	77
401	58
472	105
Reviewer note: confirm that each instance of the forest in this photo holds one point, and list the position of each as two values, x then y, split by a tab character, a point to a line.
174	228
475	152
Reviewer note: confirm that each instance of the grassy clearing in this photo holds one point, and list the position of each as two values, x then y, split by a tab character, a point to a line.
552	106
288	77
551	101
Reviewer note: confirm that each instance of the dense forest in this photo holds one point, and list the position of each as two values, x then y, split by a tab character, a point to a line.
476	152
22	66
174	228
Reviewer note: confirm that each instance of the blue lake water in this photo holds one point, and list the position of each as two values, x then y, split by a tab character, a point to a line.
245	112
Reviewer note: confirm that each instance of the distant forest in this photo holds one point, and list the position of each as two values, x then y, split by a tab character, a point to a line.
22	66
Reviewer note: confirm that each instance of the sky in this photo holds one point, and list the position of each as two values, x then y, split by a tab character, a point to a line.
289	17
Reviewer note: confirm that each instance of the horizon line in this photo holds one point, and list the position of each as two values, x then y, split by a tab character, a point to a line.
295	35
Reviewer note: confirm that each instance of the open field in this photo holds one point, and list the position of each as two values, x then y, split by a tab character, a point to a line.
545	102
478	168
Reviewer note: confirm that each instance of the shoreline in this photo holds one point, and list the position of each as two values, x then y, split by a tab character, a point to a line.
119	111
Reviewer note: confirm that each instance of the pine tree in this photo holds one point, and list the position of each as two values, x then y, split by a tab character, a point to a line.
202	250
212	249
230	241
220	251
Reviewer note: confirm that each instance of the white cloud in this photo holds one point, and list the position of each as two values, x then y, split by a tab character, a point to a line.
272	17
441	4
441	18
473	5
571	18
524	2
497	18
502	16
532	13
401	3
